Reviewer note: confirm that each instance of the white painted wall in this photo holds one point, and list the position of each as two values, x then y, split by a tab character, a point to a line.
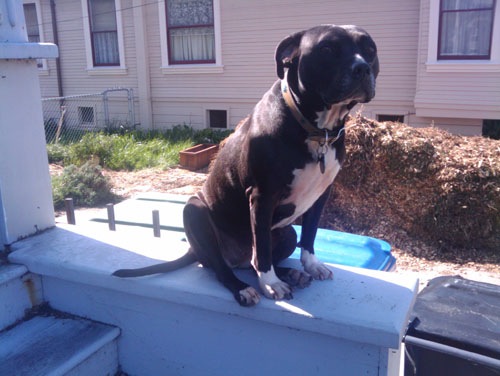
187	323
25	186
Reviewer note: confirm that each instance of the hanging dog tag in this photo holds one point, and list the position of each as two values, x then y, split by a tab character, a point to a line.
321	161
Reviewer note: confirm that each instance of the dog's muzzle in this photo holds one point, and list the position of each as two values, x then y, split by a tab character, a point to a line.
358	85
363	81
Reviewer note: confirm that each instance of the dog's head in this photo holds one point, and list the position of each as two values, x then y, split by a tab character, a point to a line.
330	64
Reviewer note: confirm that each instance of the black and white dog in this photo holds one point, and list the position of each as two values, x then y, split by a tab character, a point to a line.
279	165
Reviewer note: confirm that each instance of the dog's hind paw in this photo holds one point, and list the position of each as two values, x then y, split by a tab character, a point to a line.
248	297
295	278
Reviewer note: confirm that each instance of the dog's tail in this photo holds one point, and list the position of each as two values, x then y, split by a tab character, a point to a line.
187	259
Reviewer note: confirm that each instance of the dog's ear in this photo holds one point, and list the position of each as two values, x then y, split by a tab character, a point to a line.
375	67
287	50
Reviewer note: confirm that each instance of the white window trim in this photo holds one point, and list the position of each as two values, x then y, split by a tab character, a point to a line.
91	69
216	67
435	65
44	69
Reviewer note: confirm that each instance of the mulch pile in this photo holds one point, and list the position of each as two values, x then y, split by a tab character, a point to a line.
433	185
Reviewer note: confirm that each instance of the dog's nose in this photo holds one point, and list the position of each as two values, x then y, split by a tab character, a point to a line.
360	69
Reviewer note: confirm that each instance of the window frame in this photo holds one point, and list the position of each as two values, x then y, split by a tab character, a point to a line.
442	12
43	68
93	33
84	112
390	117
208	113
93	69
195	67
170	28
432	64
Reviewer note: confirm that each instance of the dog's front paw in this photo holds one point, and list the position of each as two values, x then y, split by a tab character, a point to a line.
273	287
248	297
277	291
314	267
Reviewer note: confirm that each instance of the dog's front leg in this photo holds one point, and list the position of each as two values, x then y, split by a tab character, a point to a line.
310	221
261	206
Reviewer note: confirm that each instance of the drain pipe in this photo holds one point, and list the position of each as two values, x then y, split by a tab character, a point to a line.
55	34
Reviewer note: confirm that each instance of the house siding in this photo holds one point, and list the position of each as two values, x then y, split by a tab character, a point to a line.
249	34
48	76
75	75
248	56
466	94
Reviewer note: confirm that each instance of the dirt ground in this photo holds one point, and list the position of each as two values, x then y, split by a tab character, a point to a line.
414	256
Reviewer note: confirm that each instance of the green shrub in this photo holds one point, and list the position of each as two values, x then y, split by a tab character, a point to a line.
93	146
210	136
86	185
57	153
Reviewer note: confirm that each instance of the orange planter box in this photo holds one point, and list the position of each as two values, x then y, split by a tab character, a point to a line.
198	156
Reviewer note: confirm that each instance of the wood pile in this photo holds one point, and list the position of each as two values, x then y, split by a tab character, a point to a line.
435	186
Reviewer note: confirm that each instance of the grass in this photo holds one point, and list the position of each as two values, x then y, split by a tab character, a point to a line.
132	150
83	160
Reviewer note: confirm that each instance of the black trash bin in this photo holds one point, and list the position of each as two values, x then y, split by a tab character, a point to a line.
454	330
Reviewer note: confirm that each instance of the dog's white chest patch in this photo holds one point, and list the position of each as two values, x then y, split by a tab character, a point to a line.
309	183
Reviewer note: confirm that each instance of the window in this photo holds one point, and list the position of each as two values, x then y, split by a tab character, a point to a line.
86	115
465	29
217	118
32	26
491	129
394	118
31	23
190	36
104	33
190	29
103	36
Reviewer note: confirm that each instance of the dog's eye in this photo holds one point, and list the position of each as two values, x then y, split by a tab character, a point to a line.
330	51
369	50
326	50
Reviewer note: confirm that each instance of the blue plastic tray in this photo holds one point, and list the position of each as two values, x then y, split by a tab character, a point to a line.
352	250
330	246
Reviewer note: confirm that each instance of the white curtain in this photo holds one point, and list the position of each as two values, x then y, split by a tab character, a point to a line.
191	31
466	27
106	48
192	44
104	32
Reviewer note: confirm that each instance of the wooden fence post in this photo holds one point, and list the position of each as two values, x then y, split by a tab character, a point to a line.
70	211
156	223
111	217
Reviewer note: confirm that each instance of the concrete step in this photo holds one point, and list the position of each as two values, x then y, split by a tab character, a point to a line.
19	291
50	346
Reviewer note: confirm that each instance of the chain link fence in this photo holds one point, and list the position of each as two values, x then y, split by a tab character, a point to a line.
67	119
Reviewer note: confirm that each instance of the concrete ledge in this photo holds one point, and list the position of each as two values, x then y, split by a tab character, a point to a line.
21	50
357	304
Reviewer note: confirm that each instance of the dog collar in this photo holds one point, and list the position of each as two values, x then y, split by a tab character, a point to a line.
323	136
